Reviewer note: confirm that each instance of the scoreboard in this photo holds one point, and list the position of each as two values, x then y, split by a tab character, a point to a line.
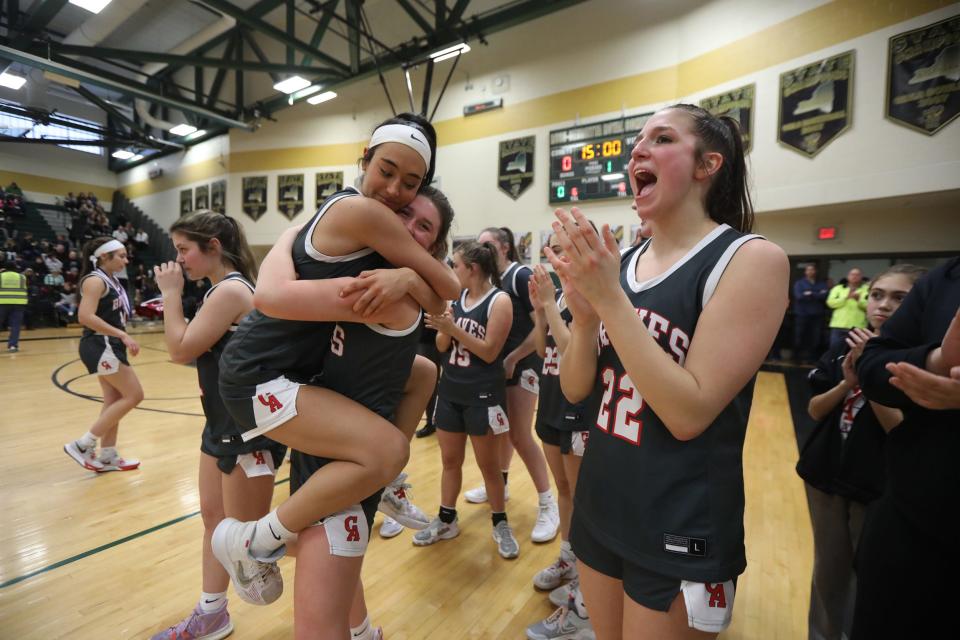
589	162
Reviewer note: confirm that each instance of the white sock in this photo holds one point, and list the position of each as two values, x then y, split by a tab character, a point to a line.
566	552
269	535
108	453
87	440
210	602
546	498
364	631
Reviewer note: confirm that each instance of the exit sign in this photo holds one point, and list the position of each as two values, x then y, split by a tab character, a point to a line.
827	233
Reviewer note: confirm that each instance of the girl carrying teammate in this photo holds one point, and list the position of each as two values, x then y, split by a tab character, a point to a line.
521	366
236	477
683	323
369	363
268	373
103	312
472	396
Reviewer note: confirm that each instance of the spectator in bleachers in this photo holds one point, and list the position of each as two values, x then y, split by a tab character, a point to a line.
61	239
39	267
141	239
72	261
72	276
66	307
54	280
121	234
52	262
849	303
70	201
14	189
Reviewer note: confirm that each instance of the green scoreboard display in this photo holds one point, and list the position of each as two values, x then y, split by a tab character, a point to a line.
589	162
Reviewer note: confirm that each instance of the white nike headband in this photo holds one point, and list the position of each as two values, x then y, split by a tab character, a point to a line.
106	247
405	135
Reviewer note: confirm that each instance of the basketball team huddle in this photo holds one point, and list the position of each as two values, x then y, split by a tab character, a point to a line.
640	385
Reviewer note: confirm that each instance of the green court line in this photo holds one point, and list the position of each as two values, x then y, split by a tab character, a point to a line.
109	545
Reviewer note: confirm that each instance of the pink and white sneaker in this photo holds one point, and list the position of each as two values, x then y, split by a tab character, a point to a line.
199	626
86	458
118	463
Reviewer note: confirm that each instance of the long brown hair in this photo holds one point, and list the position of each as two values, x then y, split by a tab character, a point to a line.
728	197
203	226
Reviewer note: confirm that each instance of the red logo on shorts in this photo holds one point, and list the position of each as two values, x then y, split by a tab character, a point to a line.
270	401
718	597
353	532
500	419
105	365
258	457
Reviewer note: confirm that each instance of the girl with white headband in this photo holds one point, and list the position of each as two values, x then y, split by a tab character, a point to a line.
269	370
104	309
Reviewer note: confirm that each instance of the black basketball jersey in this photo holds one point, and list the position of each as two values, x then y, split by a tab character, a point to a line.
672	507
553	409
265	348
369	364
465	377
221	433
113	306
515	281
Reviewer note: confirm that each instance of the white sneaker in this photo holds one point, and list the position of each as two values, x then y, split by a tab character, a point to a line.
86	458
561	595
556	574
507	545
568	622
390	528
255	581
478	495
396	504
437	531
548	523
118	463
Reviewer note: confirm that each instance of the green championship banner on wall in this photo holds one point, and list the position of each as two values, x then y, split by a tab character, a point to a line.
255	196
816	104
515	173
201	198
290	195
737	104
328	184
218	196
923	68
186	201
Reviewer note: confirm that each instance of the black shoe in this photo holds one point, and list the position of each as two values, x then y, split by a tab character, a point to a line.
427	430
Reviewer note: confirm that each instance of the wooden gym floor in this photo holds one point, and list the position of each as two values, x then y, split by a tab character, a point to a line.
118	555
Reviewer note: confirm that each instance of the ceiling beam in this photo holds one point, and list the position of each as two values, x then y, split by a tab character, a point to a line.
225	62
117	84
322	25
456	14
416	51
271	31
36	21
415	15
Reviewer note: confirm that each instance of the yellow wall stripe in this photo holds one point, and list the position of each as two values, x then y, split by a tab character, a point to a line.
821	27
197	172
54	186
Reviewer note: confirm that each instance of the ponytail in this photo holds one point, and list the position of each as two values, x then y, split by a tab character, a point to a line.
484	255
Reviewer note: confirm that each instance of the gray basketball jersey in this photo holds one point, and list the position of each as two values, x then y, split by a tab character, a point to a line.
264	348
466	378
672	507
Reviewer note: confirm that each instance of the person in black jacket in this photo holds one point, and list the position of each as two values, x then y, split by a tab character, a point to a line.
842	460
907	549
